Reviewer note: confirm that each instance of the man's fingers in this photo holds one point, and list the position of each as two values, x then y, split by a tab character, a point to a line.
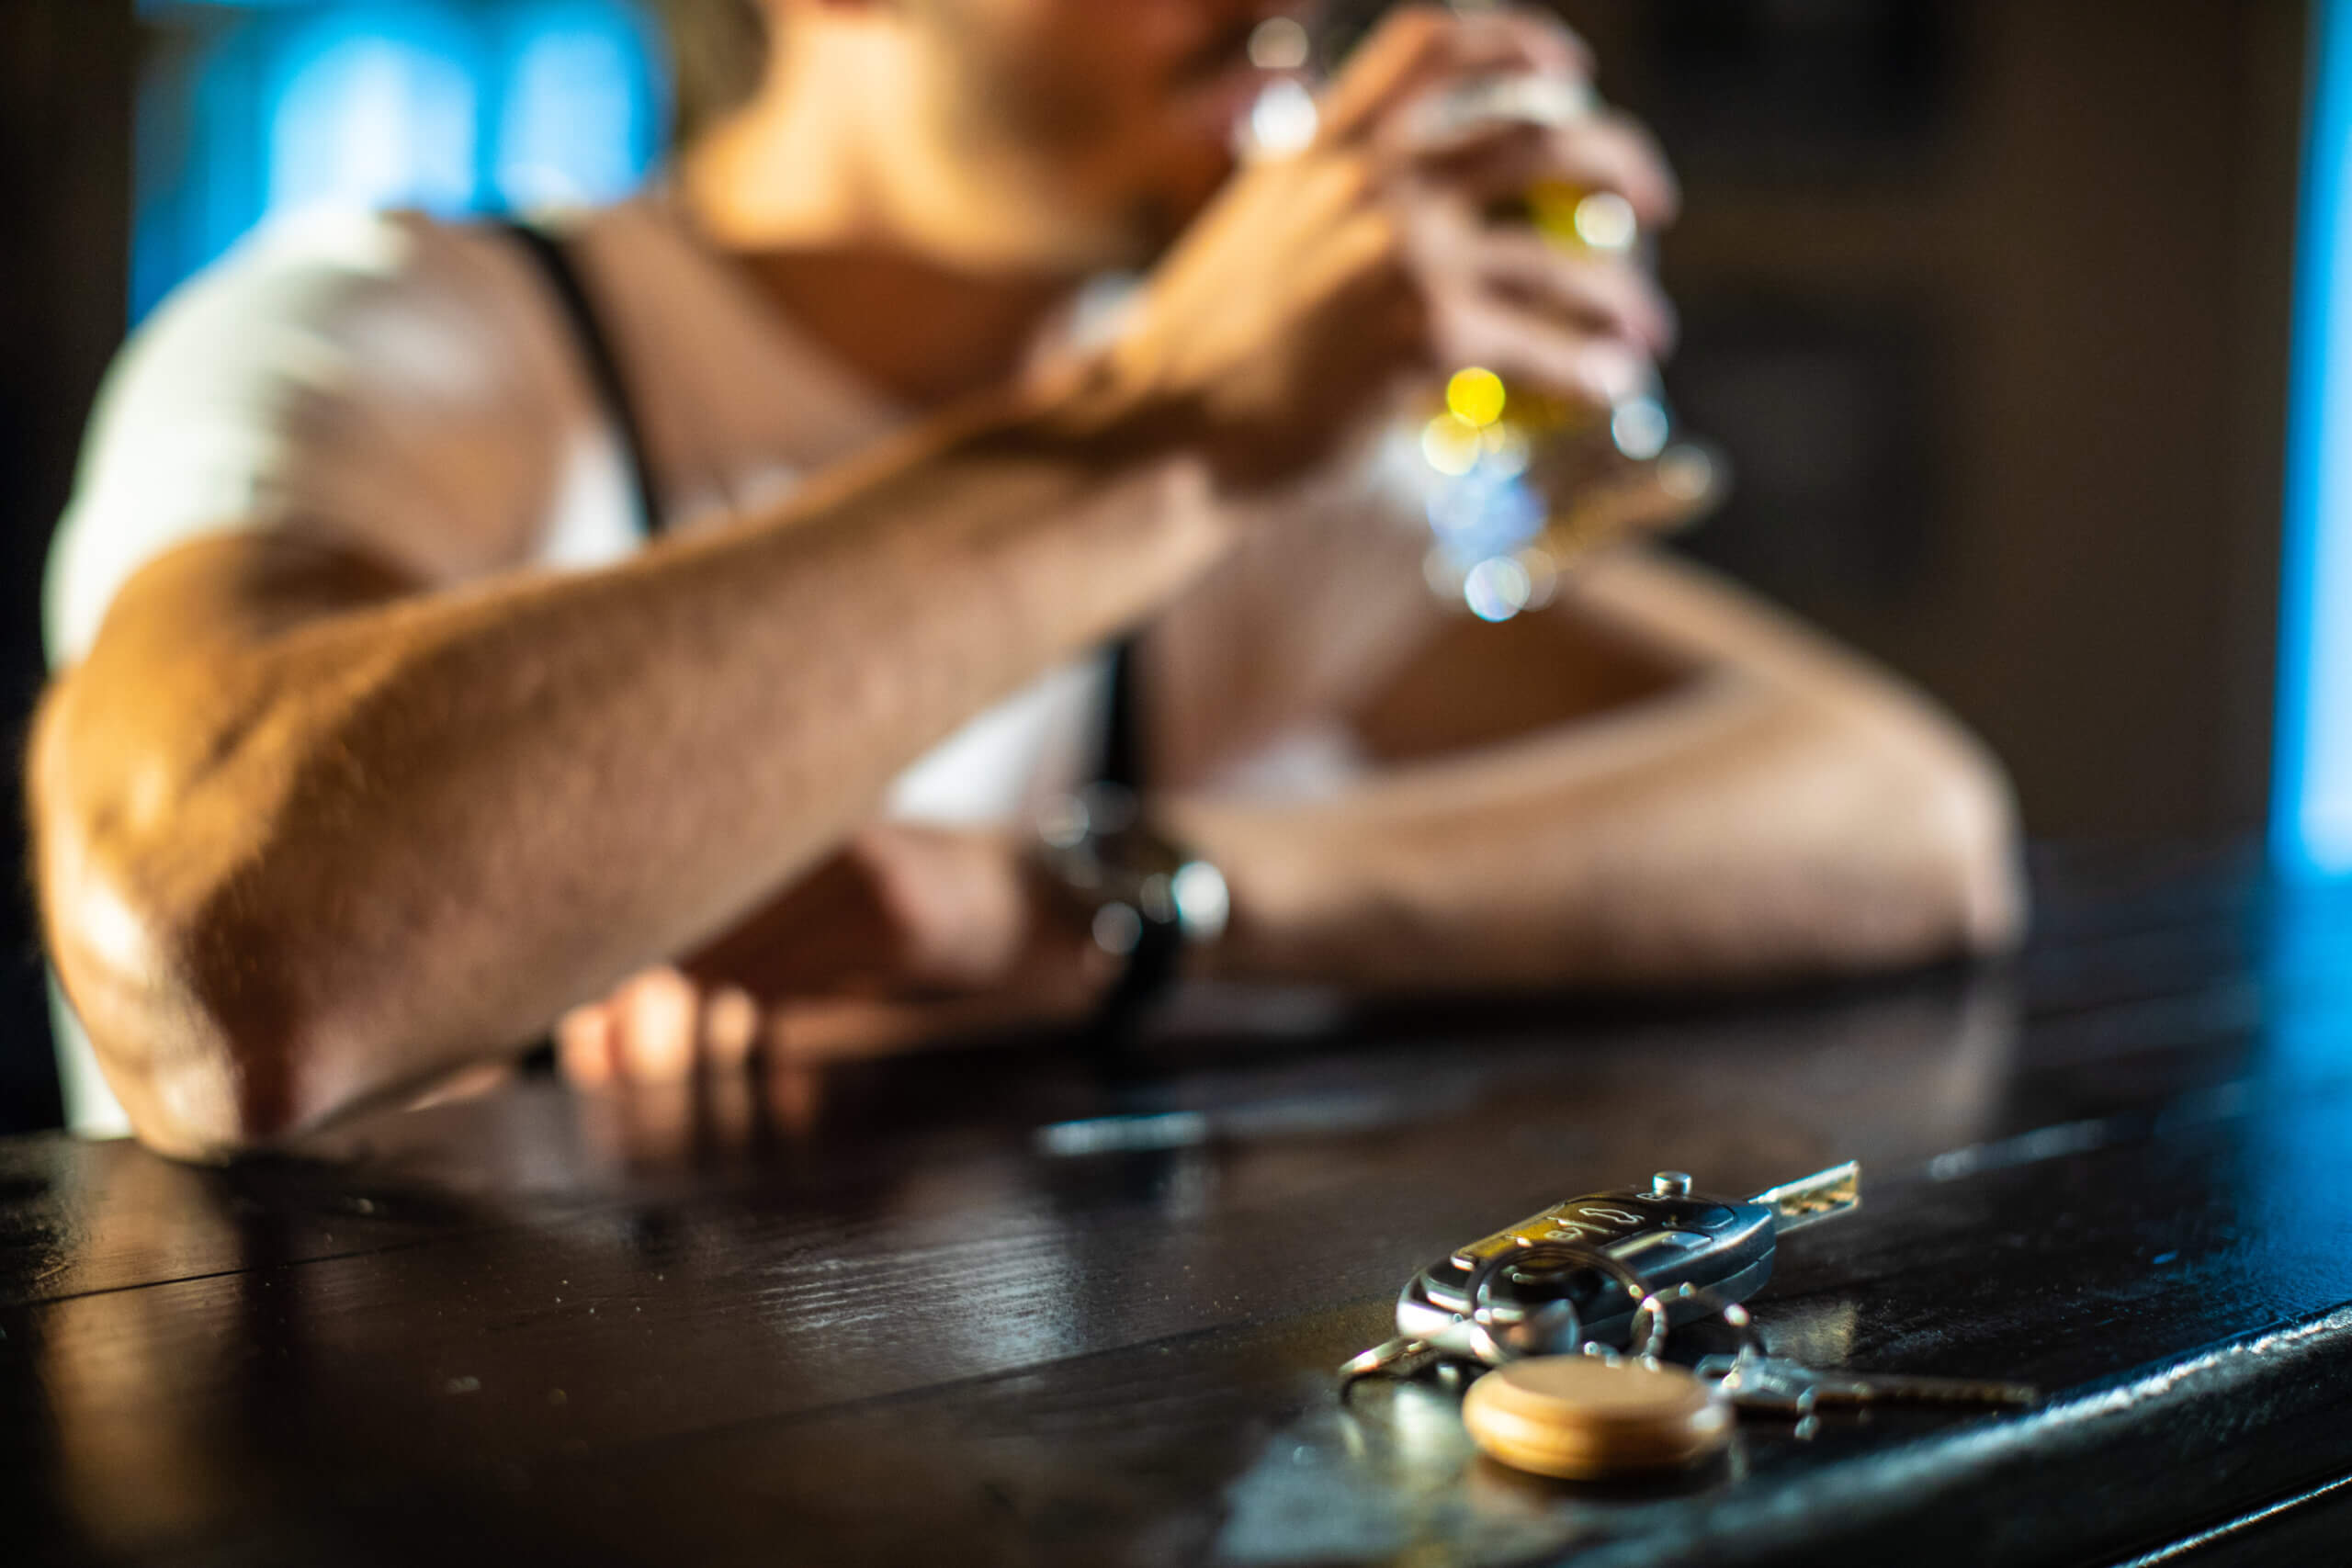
656	1029
1602	153
1605	296
731	1027
1477	329
656	1017
584	1046
1420	46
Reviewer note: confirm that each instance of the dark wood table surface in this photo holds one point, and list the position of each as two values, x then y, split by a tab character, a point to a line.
990	1306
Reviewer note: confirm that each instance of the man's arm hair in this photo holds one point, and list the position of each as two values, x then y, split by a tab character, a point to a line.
310	831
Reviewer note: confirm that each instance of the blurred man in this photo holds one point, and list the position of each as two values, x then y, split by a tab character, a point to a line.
380	746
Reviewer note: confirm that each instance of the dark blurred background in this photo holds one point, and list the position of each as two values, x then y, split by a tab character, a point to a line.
1988	300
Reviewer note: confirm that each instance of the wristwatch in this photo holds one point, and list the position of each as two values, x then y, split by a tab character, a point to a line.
1144	897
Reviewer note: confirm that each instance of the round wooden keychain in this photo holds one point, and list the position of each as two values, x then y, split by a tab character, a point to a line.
1585	1419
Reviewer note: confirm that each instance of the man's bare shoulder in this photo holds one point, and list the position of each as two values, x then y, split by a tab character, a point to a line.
389	380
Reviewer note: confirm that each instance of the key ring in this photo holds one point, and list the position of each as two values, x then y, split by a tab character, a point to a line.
1496	1352
1385	1357
1751	1341
1379	1359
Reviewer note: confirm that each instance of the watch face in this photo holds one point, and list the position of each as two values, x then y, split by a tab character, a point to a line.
1125	878
1204	901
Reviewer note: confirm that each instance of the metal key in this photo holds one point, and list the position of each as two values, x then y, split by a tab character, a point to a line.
1657	1256
1695	1253
1786	1387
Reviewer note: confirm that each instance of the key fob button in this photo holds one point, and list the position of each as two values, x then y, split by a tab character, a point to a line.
1657	1242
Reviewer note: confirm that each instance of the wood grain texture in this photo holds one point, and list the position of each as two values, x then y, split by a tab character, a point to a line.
989	1307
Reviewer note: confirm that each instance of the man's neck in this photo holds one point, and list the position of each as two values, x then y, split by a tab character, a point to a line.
835	215
923	333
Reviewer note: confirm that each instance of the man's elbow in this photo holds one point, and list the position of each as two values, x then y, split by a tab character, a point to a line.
1976	854
190	1097
203	1071
1951	848
210	1056
191	986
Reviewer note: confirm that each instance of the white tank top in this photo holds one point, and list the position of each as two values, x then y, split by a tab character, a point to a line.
418	380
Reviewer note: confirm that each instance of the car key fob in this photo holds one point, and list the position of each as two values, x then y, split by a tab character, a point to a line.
1696	1254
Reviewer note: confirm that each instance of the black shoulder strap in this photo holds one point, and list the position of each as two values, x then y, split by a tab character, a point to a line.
1123	729
1122	750
596	349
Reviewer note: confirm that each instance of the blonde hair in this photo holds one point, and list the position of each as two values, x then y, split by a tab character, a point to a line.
718	51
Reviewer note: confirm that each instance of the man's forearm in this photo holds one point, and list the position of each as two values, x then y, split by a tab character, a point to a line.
1740	830
319	854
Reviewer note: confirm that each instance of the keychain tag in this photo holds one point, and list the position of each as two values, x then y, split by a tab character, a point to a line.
1585	1419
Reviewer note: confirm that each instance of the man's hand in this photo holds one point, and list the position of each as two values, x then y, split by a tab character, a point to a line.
908	933
1318	281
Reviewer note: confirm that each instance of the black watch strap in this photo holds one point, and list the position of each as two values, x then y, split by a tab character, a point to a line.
1151	966
1149	972
1144	897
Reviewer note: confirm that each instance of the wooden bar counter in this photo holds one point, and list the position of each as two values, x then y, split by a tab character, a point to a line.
994	1306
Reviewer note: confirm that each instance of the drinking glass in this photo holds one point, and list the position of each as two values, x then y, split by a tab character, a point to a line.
1518	485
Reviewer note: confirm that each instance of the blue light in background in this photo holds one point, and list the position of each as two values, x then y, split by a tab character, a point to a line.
2311	803
252	111
374	107
579	124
